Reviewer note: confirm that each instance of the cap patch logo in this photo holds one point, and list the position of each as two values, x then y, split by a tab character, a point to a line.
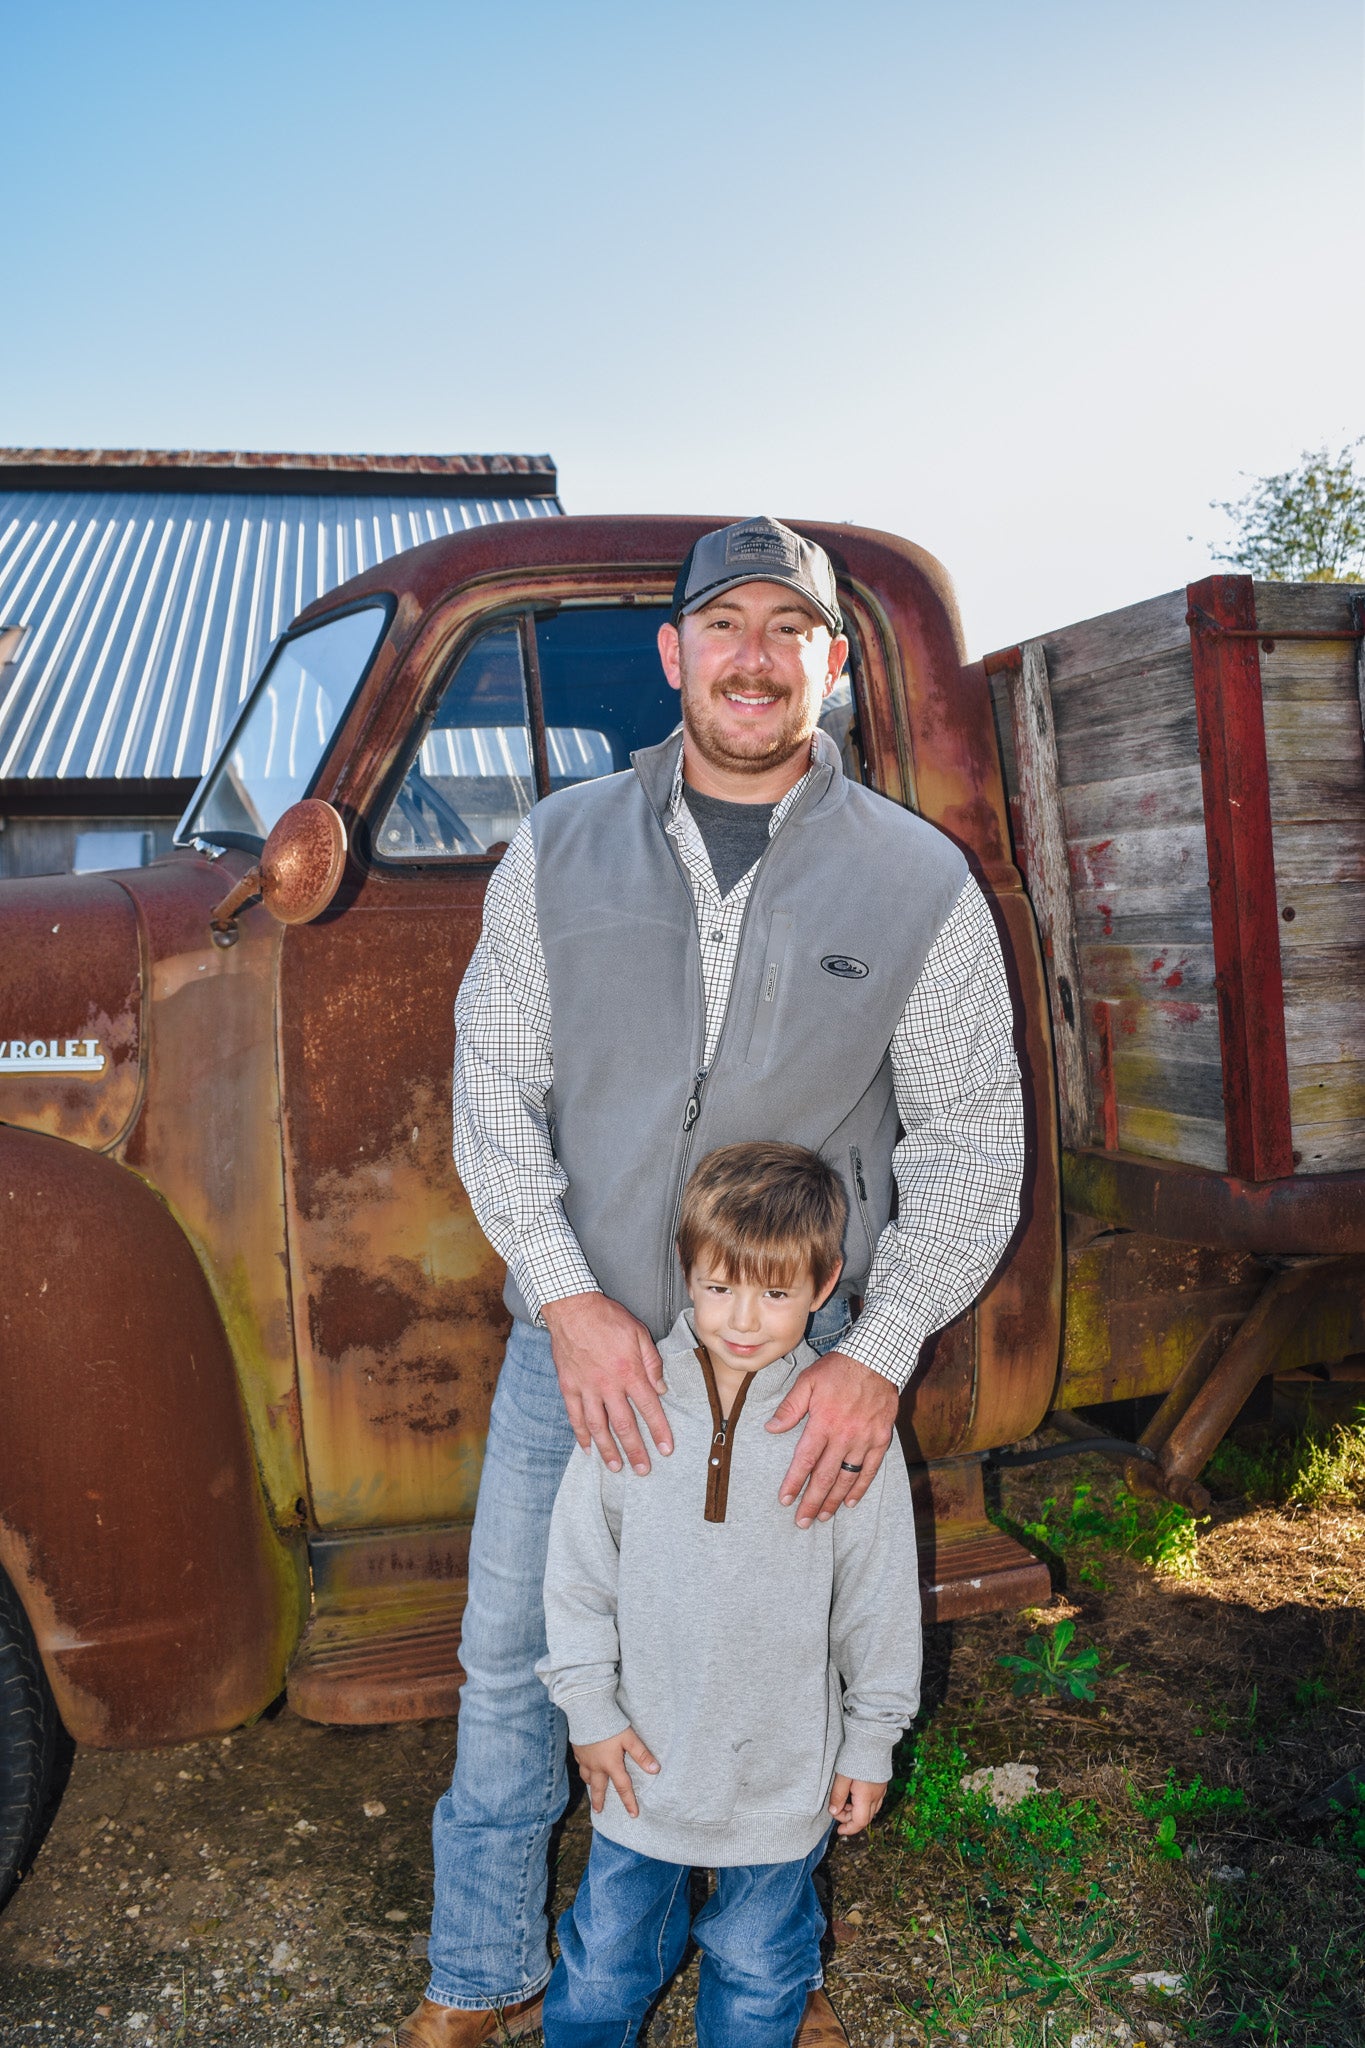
846	968
758	546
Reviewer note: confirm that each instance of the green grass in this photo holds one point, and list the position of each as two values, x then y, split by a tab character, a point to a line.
1319	1468
1042	1837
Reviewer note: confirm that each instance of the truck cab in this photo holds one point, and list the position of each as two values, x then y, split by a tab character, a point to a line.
252	1327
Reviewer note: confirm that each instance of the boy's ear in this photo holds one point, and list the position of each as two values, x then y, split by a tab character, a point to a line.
825	1292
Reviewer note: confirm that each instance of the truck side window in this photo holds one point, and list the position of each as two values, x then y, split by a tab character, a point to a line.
592	673
602	686
470	785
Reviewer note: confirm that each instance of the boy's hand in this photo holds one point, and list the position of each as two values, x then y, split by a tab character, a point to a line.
609	1371
853	1803
598	1761
851	1418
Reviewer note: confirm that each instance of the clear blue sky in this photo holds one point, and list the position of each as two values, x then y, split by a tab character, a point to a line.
1030	281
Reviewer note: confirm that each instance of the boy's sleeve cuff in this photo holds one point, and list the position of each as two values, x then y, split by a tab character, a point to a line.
594	1716
865	1754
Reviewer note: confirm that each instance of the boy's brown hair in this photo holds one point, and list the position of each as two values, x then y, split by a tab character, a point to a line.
767	1213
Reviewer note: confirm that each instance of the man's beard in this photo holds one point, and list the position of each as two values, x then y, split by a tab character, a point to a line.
738	752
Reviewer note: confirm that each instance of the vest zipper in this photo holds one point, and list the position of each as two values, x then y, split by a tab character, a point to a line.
693	1109
718	1458
855	1158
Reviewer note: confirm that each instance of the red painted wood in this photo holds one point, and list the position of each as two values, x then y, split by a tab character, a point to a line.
1246	936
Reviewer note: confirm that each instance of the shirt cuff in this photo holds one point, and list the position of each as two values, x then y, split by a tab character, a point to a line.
865	1752
886	1342
594	1716
547	1264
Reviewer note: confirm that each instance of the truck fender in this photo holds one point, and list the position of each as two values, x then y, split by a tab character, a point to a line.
132	1520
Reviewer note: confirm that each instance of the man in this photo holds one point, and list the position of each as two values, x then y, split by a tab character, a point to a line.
728	941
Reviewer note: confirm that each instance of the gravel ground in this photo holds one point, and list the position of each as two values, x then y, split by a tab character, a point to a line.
273	1887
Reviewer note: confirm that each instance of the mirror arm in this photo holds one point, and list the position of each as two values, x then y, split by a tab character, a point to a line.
223	921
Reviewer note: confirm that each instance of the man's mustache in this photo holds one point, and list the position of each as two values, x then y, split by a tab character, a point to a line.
744	686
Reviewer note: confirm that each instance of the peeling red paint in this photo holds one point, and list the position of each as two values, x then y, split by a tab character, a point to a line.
1174	979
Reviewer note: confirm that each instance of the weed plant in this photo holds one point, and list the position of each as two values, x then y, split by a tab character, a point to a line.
1185	1810
1156	1533
1046	1666
1319	1468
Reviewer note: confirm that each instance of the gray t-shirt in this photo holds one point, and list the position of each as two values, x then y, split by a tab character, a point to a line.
734	835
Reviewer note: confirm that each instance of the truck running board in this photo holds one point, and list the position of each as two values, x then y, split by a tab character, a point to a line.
384	1640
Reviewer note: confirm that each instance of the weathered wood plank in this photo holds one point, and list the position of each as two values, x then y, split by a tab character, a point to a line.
1324	917
1142	919
1315	607
1318	792
1134	633
1190	1088
1308	671
1150	798
1315	732
1330	1148
1174	855
1310	851
1157	1134
1111	742
1179	1031
1035	748
1113	973
1330	1026
1328	1094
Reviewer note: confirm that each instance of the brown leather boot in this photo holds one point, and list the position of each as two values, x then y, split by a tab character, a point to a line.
445	2026
820	2026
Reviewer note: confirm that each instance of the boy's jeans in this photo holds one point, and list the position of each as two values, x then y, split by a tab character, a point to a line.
624	1936
491	1830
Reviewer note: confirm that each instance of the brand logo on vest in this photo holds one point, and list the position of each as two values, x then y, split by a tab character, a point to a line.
846	968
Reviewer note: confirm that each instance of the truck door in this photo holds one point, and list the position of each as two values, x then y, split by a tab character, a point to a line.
397	1296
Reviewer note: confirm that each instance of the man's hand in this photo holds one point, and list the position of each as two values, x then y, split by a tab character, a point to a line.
852	1802
606	1361
599	1761
851	1415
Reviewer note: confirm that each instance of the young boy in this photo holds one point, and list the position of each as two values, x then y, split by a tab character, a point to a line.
733	1685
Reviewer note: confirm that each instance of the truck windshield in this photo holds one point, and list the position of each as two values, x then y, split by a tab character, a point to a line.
279	741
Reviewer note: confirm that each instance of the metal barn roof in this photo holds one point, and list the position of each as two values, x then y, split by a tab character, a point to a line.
151	585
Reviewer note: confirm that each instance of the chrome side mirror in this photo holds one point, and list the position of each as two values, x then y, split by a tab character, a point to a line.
298	873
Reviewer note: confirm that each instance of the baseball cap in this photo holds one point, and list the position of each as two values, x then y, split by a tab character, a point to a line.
756	551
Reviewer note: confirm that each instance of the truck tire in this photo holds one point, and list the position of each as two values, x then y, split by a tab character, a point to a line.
33	1744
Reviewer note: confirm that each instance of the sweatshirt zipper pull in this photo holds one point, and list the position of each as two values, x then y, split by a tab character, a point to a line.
693	1110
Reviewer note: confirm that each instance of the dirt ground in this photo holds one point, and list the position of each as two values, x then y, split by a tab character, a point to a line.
272	1887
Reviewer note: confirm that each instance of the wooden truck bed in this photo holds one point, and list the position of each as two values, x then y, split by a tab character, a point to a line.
1193	835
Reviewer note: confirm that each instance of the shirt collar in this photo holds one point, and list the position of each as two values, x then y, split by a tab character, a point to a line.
779	810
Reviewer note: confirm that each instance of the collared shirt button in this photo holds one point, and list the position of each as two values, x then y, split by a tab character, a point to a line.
716	937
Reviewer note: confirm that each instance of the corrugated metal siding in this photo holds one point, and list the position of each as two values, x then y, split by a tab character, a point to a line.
149	614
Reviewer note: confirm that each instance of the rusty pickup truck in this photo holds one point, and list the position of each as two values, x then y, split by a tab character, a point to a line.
250	1325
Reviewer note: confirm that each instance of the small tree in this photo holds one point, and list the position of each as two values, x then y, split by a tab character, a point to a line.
1306	525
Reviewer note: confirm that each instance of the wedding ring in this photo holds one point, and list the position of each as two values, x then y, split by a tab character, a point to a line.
846	1467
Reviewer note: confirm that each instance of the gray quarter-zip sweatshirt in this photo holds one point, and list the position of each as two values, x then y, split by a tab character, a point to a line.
754	1659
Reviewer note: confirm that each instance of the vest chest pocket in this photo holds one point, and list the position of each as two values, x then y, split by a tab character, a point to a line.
769	988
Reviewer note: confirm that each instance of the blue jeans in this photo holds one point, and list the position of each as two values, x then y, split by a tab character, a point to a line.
490	1832
625	1934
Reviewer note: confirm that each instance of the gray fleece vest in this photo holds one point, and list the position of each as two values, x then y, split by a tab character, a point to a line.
846	904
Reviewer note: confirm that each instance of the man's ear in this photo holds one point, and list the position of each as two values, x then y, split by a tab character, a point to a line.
670	654
838	660
823	1296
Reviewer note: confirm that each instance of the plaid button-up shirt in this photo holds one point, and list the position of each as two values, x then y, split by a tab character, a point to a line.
957	1164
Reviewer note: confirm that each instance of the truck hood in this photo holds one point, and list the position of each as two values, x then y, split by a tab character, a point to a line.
71	997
